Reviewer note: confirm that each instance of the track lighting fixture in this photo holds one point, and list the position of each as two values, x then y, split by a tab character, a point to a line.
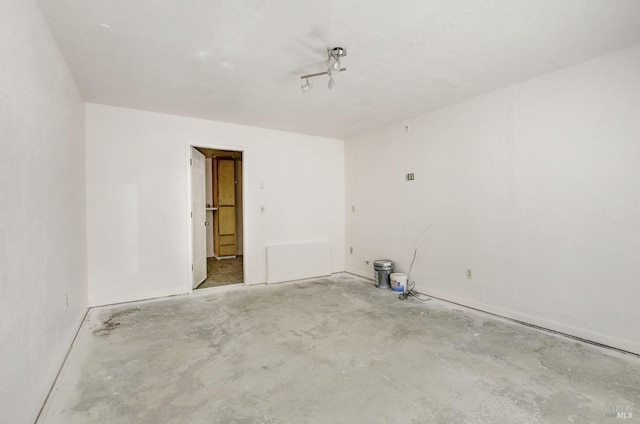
333	67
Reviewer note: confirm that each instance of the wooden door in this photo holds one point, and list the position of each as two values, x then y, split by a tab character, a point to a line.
224	198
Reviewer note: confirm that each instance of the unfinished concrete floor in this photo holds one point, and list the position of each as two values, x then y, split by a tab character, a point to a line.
334	350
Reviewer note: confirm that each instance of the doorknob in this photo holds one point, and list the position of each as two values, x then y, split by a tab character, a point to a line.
206	224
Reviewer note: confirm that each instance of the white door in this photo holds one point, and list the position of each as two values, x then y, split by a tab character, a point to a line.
198	218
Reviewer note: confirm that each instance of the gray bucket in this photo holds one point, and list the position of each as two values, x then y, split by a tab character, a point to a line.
383	269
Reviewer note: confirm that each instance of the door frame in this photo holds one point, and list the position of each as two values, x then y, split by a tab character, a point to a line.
212	145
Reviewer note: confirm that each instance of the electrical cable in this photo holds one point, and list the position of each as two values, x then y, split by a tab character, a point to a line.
411	292
415	252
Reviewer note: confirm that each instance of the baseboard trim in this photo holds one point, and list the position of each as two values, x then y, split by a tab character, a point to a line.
43	409
136	296
575	333
368	276
292	278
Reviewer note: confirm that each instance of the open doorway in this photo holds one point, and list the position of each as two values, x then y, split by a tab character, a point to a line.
217	217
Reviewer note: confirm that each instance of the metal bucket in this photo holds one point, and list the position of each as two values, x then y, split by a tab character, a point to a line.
383	269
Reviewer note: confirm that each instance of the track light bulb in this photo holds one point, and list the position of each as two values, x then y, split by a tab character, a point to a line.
306	86
331	84
333	65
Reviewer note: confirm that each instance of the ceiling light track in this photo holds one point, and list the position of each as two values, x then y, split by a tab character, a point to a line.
321	73
333	67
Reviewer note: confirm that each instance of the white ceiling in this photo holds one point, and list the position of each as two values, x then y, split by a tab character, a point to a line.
240	61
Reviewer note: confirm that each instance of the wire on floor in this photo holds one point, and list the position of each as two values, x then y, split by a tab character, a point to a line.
412	292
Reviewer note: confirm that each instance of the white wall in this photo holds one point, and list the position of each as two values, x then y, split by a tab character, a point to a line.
42	212
137	198
536	188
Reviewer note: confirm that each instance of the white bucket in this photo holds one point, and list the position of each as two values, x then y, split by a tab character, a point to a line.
398	282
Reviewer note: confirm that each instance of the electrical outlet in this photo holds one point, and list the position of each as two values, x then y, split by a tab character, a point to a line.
351	250
469	273
353	208
411	177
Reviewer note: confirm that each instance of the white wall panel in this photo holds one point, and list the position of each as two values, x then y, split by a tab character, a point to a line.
143	154
536	188
43	265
